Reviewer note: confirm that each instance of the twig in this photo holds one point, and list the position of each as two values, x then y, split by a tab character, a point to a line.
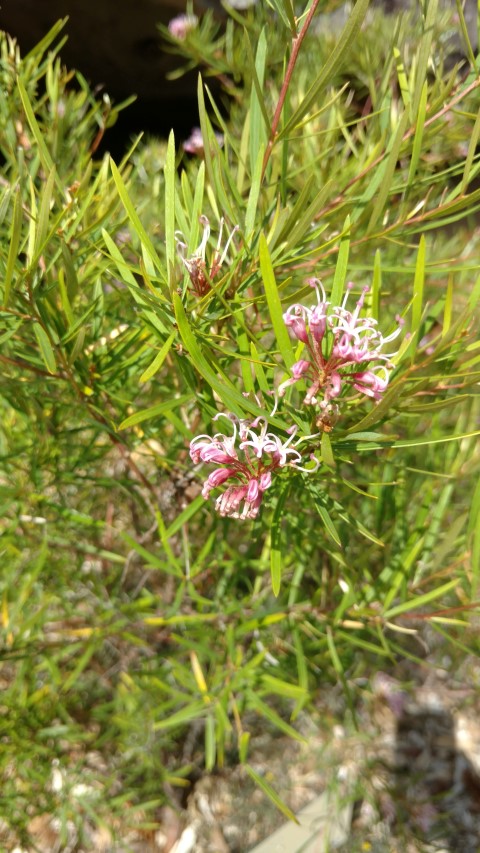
296	45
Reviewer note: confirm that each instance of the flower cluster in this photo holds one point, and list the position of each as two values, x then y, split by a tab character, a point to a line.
180	26
343	350
196	265
248	459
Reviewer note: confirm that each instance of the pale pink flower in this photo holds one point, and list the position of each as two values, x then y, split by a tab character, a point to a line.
201	273
343	349
195	143
248	457
180	26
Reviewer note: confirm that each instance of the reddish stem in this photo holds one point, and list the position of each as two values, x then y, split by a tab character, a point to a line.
296	45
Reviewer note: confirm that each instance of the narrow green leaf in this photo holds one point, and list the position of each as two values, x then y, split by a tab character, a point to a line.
275	305
245	362
466	36
329	525
135	220
45	348
170	204
250	233
472	147
197	208
81	664
5	203
342	265
153	411
418	138
275	547
120	261
270	792
260	374
67	309
424	53
327	451
385	171
71	279
447	314
153	561
376	284
42	46
473	534
421	600
158	360
474	297
193	711
185	516
44	212
210	743
374	416
258	126
402	77
339	668
281	7
243	743
14	244
255	702
204	126
283	688
415	442
418	286
354	640
43	151
258	91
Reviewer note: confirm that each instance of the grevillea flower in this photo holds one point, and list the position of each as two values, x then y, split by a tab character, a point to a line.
180	26
195	143
343	350
247	458
196	265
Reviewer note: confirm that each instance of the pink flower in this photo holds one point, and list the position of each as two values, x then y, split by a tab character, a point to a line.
180	26
195	143
248	457
201	274
337	343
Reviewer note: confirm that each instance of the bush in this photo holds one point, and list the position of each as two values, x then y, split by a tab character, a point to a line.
137	614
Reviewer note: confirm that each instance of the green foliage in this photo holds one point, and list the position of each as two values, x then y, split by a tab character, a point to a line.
132	612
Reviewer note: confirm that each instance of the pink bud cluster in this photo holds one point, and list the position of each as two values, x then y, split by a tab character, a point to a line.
247	459
343	350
